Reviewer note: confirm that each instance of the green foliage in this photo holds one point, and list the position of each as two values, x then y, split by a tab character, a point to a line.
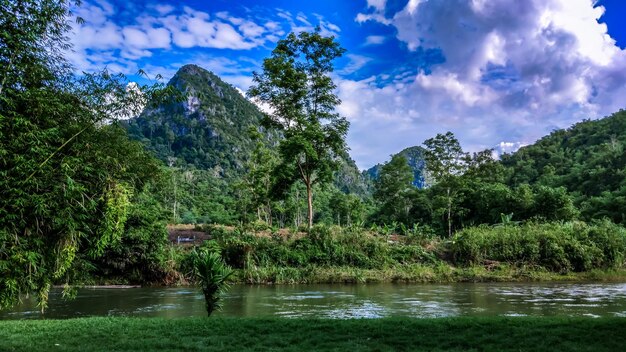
297	86
140	255
67	171
463	190
323	246
212	274
393	190
444	157
561	247
587	159
484	203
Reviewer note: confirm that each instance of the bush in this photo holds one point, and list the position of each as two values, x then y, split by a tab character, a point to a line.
212	275
562	247
322	246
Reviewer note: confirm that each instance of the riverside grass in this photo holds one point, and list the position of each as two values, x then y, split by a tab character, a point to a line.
276	334
419	273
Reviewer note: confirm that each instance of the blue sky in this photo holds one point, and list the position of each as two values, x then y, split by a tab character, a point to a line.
497	73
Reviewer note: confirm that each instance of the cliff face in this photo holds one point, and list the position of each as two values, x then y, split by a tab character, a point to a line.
209	129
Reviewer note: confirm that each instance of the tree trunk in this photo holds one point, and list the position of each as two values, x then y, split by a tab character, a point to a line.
309	194
449	213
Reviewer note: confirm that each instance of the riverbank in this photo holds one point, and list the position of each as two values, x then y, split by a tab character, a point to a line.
392	334
573	251
409	273
418	273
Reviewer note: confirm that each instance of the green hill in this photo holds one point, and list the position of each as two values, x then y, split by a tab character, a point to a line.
415	158
587	159
208	130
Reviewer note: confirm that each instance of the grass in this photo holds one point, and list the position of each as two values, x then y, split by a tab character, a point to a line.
418	273
392	334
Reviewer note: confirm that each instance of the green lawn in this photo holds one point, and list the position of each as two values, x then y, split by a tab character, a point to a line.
236	334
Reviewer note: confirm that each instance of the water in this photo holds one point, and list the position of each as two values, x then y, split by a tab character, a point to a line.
344	301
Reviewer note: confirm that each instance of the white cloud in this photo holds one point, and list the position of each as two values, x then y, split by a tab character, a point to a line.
356	63
377	4
374	40
164	9
100	41
104	41
513	70
506	148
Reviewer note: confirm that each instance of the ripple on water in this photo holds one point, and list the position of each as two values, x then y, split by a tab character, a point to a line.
156	308
366	310
514	314
299	297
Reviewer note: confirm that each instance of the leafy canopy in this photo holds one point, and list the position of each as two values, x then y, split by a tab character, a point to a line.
67	171
296	85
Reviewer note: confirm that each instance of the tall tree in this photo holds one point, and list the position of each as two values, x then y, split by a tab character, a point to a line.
296	85
445	160
393	188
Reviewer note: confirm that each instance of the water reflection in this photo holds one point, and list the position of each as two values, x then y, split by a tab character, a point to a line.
344	301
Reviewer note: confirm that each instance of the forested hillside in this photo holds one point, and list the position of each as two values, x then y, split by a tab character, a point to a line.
209	129
415	159
218	157
587	159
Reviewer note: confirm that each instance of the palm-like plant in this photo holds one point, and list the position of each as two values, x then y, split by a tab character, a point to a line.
212	274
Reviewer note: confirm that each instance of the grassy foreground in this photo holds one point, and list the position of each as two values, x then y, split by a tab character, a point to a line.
236	334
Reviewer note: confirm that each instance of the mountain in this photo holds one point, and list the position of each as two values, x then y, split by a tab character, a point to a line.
349	179
415	159
208	130
588	159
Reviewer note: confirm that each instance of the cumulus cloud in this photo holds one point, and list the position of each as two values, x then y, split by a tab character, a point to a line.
506	148
102	41
513	70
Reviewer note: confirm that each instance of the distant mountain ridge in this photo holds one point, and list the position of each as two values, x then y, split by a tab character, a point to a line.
415	159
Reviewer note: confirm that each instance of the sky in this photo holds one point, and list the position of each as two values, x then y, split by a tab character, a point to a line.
497	73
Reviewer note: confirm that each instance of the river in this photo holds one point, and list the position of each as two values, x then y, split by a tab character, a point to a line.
344	301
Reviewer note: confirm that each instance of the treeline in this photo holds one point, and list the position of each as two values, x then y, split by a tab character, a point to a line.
464	190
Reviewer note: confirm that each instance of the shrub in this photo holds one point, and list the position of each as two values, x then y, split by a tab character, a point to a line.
322	246
212	274
562	247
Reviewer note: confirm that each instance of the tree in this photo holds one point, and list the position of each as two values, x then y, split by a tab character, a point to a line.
67	171
296	85
393	190
445	160
258	178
